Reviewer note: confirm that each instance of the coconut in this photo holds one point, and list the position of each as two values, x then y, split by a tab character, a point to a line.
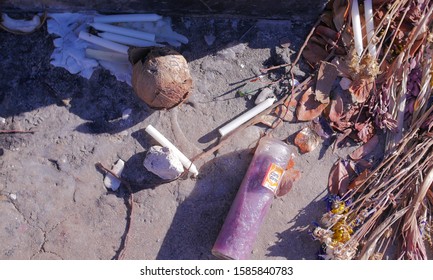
160	77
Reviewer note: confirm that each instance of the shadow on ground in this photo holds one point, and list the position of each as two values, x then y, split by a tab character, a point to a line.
200	216
296	242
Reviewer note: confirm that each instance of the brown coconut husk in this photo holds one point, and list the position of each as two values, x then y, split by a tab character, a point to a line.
160	76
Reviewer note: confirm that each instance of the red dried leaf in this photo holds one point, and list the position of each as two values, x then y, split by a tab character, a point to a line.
325	79
365	149
339	177
326	33
342	67
290	176
336	110
314	53
365	131
361	89
358	181
308	107
284	113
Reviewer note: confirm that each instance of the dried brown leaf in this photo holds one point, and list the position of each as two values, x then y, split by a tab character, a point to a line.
336	109
325	79
342	67
358	181
365	131
361	88
290	176
326	33
314	53
340	9
339	178
284	113
308	108
365	149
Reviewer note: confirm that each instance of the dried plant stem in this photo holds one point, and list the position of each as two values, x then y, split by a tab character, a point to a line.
15	131
371	244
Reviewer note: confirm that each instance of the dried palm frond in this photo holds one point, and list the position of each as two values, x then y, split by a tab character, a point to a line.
391	202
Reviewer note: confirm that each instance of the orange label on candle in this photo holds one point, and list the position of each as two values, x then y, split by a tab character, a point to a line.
273	177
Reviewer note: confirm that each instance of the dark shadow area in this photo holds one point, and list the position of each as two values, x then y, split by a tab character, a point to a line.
28	82
242	8
200	216
296	242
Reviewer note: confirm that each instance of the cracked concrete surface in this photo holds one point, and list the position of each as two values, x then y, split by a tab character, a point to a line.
60	208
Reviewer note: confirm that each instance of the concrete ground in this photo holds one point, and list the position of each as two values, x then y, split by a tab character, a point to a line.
53	204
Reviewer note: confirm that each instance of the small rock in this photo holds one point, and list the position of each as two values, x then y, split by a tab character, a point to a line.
293	82
13	196
163	162
126	113
2	120
263	95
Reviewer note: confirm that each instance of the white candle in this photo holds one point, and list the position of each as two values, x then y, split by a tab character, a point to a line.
112	182
166	143
127	40
173	35
356	25
127	18
107	55
369	24
103	43
124	31
246	116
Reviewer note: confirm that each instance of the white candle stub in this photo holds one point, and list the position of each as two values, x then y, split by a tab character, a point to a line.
112	182
127	18
107	56
246	116
357	30
103	43
369	24
166	143
127	40
124	31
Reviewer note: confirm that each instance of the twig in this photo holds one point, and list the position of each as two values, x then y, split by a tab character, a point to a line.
207	6
15	131
123	245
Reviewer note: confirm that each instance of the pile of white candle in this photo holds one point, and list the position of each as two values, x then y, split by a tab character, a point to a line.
117	33
357	29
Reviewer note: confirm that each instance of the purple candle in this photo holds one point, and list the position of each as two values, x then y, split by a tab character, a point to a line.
254	197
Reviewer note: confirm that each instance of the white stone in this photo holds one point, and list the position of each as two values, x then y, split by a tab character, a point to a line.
126	113
263	95
13	196
163	162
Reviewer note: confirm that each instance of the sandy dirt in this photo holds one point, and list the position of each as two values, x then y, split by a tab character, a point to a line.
53	203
